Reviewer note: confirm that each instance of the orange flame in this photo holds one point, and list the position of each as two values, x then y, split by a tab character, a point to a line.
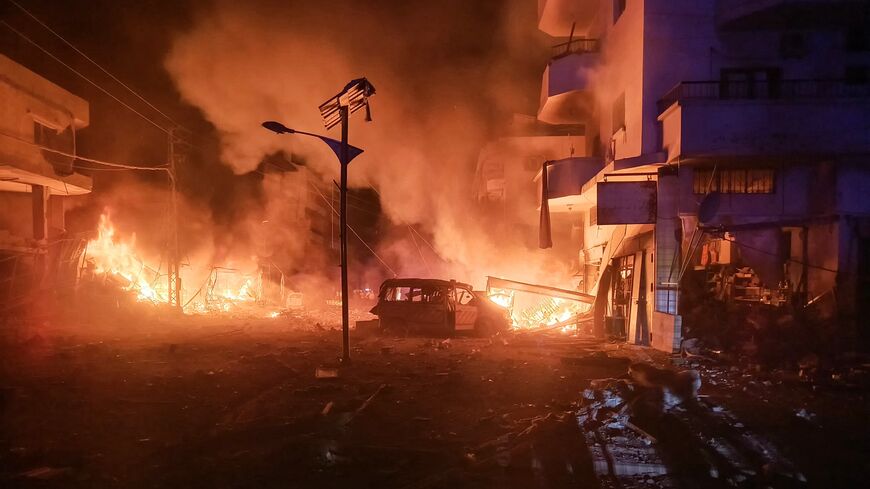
113	256
547	312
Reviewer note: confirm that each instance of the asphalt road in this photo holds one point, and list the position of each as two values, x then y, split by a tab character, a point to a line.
240	403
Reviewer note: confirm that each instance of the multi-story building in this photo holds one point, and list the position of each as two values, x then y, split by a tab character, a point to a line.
38	125
735	138
507	166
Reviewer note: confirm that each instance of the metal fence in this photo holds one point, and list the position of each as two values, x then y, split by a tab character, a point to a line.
26	277
575	46
763	90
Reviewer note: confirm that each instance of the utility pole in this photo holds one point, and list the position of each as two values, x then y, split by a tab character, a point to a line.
173	290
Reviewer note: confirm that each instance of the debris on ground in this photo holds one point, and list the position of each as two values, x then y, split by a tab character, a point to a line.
326	373
637	427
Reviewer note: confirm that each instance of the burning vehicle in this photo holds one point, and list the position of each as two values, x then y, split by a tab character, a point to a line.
437	307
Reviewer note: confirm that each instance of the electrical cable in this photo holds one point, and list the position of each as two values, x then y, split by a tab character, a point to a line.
89	160
793	260
419	251
354	232
97	86
113	77
412	228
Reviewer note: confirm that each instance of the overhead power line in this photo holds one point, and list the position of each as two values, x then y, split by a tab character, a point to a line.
113	165
354	232
94	84
412	229
79	51
770	253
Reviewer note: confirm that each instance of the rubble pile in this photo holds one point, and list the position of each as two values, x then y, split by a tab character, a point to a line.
645	430
624	454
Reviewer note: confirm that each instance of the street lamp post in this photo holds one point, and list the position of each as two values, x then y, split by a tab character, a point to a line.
337	109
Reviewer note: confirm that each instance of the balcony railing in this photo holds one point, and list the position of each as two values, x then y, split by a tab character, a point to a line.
575	46
763	90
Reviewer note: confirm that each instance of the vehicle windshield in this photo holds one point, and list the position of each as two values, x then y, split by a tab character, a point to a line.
424	294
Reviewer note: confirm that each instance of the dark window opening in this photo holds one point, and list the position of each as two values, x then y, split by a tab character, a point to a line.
48	137
734	181
618	115
618	9
743	83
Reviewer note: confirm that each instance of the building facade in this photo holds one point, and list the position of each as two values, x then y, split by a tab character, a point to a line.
734	141
38	125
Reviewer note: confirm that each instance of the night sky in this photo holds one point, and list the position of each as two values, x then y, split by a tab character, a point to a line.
131	40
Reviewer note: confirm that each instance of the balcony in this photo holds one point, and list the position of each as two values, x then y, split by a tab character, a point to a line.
565	179
808	117
565	87
792	14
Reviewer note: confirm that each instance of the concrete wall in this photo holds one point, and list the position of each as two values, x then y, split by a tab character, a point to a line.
565	89
792	198
27	97
853	187
678	38
621	72
700	127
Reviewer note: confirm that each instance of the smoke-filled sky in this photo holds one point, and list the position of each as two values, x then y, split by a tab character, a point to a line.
447	74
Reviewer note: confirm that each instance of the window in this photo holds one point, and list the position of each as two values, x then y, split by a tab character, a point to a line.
742	83
733	181
397	294
49	137
431	295
463	296
618	9
759	181
618	114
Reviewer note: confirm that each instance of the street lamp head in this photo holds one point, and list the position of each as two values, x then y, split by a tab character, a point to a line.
278	128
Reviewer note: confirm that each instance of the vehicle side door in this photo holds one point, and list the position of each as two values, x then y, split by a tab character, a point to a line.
466	312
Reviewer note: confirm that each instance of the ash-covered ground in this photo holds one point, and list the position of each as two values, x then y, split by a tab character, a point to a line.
155	401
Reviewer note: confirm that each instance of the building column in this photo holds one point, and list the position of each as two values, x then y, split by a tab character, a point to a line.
666	330
56	216
40	196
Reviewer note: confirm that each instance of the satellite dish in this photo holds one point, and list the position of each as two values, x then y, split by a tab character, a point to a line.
709	207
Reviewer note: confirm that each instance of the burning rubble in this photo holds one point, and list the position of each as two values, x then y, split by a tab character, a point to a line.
116	258
540	307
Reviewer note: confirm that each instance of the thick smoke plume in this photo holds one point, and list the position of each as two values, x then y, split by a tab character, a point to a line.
445	73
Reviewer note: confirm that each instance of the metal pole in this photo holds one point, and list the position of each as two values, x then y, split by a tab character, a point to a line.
345	315
173	277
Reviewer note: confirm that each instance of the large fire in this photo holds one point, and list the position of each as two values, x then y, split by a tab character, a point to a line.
541	313
225	290
110	255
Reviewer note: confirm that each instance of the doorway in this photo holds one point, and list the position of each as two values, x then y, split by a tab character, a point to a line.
620	306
